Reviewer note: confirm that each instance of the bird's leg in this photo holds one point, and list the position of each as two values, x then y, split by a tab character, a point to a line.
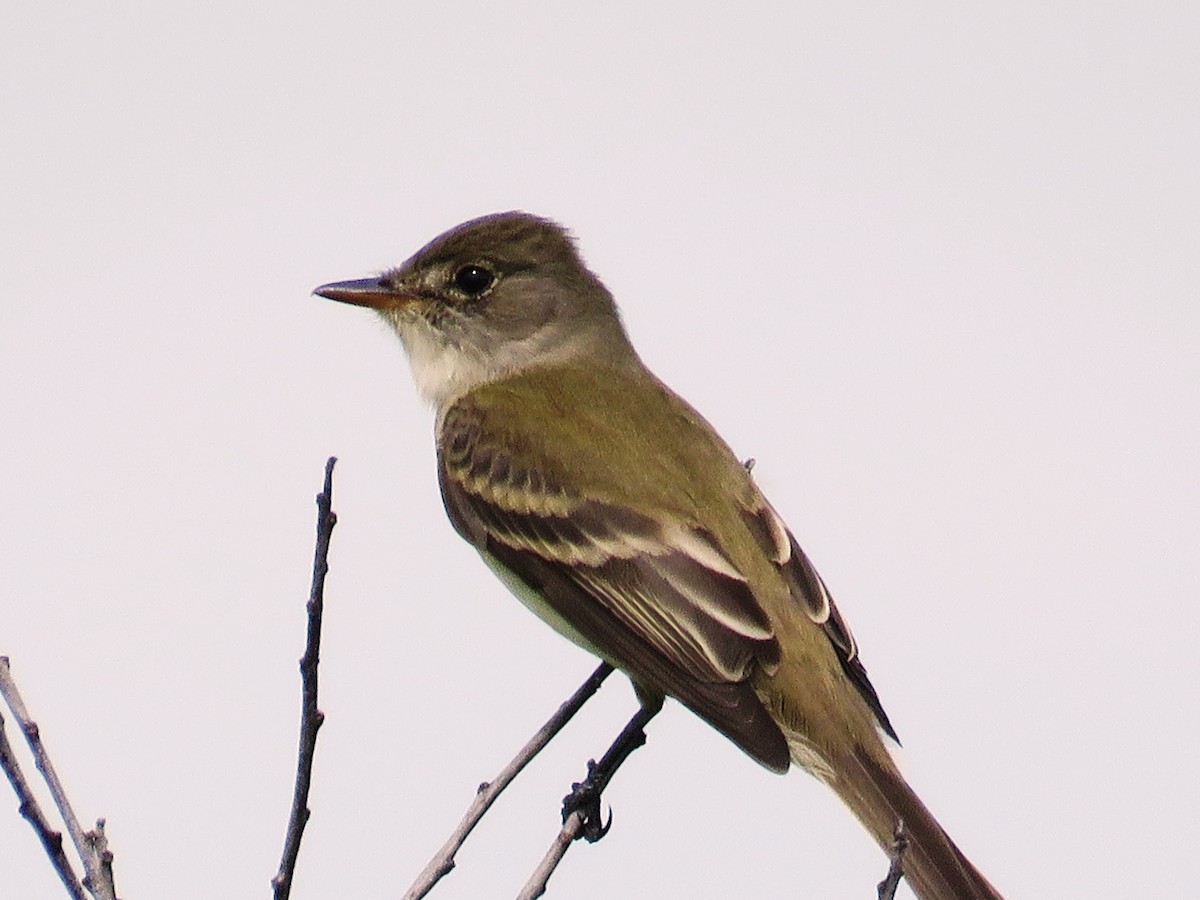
585	795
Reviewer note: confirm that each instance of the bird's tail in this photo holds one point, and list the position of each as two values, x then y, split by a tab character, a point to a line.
880	798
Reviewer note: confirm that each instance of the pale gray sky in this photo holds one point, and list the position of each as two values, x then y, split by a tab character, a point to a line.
936	268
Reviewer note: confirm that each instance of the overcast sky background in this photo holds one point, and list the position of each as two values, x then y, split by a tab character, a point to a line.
937	268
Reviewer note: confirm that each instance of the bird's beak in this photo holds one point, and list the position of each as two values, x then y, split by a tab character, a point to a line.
369	292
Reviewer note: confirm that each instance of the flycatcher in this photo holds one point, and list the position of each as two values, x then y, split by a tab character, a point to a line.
617	514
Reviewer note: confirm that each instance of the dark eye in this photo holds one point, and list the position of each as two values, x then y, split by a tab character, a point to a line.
473	280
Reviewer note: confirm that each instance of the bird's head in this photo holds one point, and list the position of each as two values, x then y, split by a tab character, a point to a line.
491	297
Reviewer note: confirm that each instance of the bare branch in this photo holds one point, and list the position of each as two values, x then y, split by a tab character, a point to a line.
485	796
310	716
572	829
98	872
891	881
31	810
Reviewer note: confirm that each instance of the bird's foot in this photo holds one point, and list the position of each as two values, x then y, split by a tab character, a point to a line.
585	800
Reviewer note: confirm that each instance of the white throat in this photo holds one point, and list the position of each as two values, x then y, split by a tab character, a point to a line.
444	371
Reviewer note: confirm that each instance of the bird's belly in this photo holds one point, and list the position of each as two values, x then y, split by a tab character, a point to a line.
537	604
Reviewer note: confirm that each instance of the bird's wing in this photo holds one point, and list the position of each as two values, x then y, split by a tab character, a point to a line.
808	589
657	598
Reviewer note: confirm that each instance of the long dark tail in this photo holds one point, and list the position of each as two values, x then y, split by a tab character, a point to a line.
879	796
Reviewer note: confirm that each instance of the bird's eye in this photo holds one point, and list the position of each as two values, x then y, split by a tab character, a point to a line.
473	280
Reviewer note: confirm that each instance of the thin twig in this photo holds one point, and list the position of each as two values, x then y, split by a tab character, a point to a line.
485	796
310	716
571	830
31	810
97	872
891	881
581	817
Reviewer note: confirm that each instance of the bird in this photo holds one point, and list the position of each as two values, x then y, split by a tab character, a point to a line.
614	511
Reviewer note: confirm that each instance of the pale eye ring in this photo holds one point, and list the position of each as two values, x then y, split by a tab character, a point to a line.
474	280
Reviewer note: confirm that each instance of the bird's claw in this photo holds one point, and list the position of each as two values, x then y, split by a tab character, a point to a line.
585	799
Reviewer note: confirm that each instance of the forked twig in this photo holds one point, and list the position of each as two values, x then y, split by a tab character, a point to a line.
485	796
581	808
